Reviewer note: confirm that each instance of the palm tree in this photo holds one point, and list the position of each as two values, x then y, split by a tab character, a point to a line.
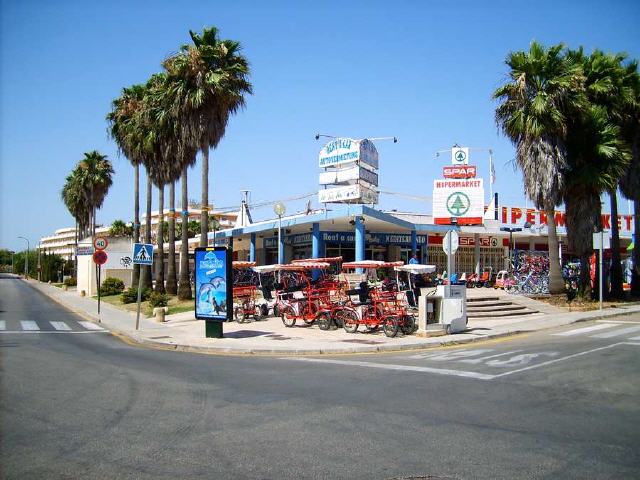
210	81
96	172
73	197
540	92
121	124
172	279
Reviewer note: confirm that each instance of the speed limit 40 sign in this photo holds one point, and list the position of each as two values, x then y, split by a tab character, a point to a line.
100	243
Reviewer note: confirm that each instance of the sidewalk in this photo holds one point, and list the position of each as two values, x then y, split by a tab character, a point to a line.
183	333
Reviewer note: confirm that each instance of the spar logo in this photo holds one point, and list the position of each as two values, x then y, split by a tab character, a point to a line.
458	204
463	171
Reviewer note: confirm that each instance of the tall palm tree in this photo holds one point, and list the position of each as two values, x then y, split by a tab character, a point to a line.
172	279
120	120
72	195
210	80
534	104
96	173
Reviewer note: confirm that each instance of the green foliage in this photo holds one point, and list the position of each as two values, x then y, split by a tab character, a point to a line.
19	263
120	229
157	299
111	286
71	282
130	295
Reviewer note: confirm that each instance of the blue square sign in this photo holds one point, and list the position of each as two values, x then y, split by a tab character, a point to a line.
143	254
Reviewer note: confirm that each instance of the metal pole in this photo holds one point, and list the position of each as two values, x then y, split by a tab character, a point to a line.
139	299
99	272
26	259
600	262
449	263
279	243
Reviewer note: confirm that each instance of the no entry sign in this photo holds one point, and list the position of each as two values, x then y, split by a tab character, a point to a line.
100	257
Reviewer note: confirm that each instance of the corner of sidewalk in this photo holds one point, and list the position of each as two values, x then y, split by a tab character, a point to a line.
162	336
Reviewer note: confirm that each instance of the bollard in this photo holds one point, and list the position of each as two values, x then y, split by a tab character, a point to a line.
159	313
82	293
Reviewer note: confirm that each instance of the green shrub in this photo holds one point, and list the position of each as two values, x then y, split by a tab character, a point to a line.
71	282
111	286
158	299
130	295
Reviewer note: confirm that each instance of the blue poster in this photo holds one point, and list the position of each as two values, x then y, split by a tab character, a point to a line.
211	274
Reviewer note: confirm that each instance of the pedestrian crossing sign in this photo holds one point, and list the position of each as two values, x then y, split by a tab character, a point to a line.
143	254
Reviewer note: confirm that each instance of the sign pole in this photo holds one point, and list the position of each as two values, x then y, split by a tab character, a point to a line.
139	299
99	271
449	263
600	263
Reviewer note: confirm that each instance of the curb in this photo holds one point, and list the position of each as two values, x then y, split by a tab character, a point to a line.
214	350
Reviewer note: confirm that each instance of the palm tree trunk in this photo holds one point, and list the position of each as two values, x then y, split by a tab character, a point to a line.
635	272
147	280
136	220
172	281
617	291
75	255
556	284
204	207
184	287
160	234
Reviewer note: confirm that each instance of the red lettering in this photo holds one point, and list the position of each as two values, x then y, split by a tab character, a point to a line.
628	219
504	214
605	220
516	214
531	216
619	222
560	218
543	218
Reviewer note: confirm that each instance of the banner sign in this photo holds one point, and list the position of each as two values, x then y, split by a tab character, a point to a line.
213	286
467	171
346	237
345	150
348	193
85	250
460	199
459	156
349	175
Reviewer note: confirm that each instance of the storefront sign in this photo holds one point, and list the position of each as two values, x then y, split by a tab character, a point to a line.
459	156
346	238
349	175
467	171
460	199
348	193
213	300
345	150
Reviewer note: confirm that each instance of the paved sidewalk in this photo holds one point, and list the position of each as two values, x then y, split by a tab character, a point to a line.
270	336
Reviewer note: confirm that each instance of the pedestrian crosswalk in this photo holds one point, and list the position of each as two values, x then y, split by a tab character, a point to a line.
50	326
604	330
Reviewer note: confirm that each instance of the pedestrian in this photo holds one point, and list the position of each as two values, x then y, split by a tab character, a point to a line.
414	260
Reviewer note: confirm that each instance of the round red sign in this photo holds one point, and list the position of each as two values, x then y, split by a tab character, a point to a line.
100	257
100	243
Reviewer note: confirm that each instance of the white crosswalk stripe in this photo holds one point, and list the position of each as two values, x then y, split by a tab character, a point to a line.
617	333
3	325
60	326
29	325
635	339
580	331
90	326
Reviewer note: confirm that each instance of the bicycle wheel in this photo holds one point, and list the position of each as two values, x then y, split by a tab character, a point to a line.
288	316
237	314
390	325
324	321
408	324
349	321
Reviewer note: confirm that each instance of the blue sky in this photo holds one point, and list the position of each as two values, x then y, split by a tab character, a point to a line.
421	71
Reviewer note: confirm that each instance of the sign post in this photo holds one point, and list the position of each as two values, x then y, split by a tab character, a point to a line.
214	288
600	242
99	258
142	255
450	245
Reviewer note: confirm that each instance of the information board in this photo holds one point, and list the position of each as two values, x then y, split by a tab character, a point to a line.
214	289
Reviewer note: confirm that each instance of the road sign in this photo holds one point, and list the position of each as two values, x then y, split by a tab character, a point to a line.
143	253
84	250
100	243
455	241
100	257
606	241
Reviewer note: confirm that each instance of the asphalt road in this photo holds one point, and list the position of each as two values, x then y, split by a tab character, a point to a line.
90	406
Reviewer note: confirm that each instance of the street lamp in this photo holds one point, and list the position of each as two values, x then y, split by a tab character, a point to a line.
510	230
26	258
280	209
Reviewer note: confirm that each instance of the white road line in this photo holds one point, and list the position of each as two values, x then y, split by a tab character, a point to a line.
3	324
386	366
617	333
618	321
635	339
482	359
60	326
40	332
580	331
550	362
91	326
29	325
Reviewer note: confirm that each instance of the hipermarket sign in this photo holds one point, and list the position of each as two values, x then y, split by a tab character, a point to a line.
460	199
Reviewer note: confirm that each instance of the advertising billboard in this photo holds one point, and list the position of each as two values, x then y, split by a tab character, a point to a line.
459	199
346	150
214	289
349	175
348	194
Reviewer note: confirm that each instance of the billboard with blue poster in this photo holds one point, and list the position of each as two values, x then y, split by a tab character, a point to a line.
213	292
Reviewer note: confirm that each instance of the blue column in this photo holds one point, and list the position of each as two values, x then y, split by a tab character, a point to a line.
414	242
316	239
360	239
281	248
252	248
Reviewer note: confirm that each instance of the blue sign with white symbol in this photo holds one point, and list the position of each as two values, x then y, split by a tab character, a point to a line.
143	254
214	298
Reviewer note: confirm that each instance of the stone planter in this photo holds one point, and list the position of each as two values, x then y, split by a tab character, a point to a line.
159	313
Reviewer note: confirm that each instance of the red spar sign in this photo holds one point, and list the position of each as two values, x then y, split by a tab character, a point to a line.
463	171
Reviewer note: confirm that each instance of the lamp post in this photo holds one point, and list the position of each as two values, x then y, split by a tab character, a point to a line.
510	230
280	209
26	258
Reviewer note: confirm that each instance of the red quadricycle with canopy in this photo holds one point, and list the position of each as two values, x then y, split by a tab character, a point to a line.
301	298
374	303
245	293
